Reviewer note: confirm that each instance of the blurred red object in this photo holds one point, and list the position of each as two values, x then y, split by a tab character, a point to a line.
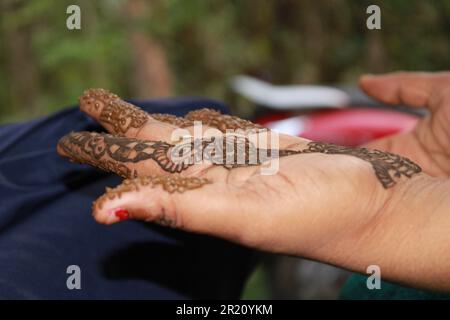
349	127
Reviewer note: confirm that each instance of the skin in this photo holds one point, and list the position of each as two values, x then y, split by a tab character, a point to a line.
327	207
429	142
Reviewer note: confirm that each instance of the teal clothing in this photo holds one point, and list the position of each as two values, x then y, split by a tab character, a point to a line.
356	289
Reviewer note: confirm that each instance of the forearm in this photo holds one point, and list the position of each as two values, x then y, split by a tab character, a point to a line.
409	238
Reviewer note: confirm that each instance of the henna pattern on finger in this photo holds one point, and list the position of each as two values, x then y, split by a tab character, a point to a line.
122	115
171	184
112	153
171	119
387	166
230	151
222	122
86	149
209	117
114	111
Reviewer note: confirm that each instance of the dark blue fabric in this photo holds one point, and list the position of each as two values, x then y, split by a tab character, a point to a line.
46	225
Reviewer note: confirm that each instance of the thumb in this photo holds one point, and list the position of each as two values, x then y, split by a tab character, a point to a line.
188	203
408	88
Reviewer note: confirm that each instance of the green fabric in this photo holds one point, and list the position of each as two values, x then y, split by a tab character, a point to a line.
356	289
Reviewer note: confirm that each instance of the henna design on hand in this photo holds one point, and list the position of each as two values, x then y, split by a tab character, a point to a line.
86	148
170	183
230	151
111	153
122	115
119	114
222	122
91	148
211	118
174	120
386	165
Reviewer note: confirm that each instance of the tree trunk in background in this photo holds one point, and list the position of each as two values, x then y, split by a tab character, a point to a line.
377	61
22	71
315	40
151	76
98	69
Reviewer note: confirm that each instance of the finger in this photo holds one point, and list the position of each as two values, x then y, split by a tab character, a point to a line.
126	157
119	116
187	203
208	117
122	118
173	120
129	157
222	122
228	123
413	89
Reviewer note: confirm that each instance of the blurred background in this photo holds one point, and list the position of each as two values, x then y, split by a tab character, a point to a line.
160	48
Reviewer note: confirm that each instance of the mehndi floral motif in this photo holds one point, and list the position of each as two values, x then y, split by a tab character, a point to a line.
115	112
387	166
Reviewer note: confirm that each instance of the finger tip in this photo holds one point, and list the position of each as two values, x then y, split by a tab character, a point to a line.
110	214
59	146
373	85
119	204
365	78
60	151
110	208
92	101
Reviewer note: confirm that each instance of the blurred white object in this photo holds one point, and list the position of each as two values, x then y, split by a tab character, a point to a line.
293	126
289	96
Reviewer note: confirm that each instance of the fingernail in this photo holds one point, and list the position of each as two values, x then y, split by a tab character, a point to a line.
121	214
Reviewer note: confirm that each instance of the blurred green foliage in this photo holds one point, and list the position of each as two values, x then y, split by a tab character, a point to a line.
257	287
44	66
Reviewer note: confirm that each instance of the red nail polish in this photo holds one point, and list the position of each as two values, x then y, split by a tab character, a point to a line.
122	214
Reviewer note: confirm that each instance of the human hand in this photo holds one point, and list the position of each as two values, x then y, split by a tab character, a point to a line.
429	142
319	192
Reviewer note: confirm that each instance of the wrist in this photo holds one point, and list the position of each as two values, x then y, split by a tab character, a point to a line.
407	237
